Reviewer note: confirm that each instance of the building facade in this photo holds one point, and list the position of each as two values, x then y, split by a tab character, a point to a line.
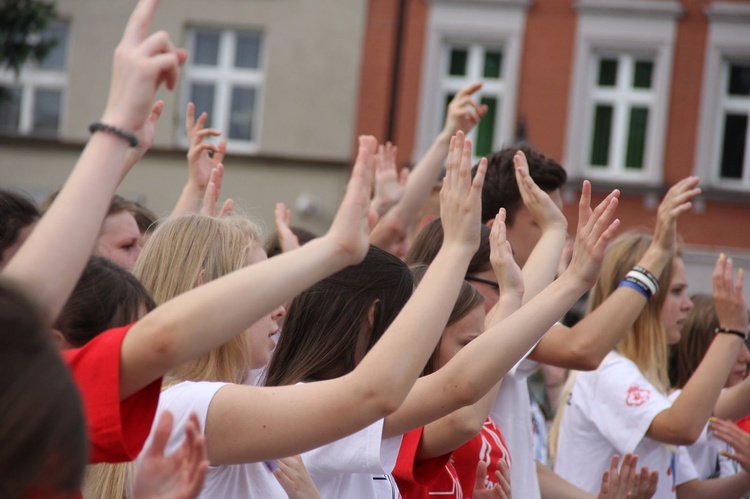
632	94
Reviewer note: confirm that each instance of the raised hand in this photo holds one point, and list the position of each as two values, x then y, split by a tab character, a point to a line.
294	478
508	274
545	212
730	433
627	482
389	182
729	300
501	490
593	234
202	156
287	239
141	64
212	194
146	134
178	476
676	202
460	197
355	219
463	112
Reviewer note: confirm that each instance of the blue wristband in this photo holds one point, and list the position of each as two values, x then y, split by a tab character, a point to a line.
631	285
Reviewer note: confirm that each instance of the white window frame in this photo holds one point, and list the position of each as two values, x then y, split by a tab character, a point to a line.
608	27
498	24
728	41
31	78
224	76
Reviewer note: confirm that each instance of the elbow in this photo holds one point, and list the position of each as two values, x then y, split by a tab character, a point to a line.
584	357
464	393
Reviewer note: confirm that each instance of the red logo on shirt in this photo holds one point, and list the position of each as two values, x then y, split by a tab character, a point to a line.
637	396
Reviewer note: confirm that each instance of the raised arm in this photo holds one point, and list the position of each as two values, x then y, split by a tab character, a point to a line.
389	181
683	422
277	421
585	345
462	115
540	268
203	157
450	432
478	366
52	259
734	402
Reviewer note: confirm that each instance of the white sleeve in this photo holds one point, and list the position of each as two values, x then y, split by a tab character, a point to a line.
684	468
624	403
363	452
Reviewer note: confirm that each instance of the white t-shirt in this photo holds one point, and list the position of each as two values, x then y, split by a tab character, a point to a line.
358	466
608	412
511	413
229	481
705	453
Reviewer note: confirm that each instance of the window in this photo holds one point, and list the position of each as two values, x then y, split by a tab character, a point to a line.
723	139
620	90
465	46
468	63
224	78
32	102
622	98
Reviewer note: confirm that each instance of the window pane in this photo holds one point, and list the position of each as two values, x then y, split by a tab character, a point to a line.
739	79
206	48
448	99
486	129
247	54
602	134
457	66
243	106
643	72
493	64
56	57
10	109
46	112
607	72
636	137
202	95
733	146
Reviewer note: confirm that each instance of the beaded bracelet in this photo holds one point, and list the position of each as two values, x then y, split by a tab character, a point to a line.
98	126
731	331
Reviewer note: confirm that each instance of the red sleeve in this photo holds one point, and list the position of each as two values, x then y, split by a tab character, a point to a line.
744	424
409	469
117	430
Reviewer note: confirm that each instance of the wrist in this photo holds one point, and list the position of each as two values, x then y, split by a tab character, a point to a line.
655	259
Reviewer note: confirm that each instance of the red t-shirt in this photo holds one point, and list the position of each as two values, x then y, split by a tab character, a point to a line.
116	429
744	424
414	477
488	446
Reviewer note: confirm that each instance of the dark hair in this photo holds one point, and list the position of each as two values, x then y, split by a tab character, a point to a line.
105	297
696	336
500	189
273	245
429	240
468	300
17	211
144	217
41	424
323	333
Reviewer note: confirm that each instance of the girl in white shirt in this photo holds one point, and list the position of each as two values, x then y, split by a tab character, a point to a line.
623	406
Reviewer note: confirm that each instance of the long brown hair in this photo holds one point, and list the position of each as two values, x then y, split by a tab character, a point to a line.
695	338
326	327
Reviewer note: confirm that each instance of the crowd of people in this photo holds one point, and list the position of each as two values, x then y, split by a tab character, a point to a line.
193	356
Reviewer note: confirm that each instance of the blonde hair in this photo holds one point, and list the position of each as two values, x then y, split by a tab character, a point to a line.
182	253
645	342
188	250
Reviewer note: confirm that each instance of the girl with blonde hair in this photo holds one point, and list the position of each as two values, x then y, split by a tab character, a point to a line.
623	405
